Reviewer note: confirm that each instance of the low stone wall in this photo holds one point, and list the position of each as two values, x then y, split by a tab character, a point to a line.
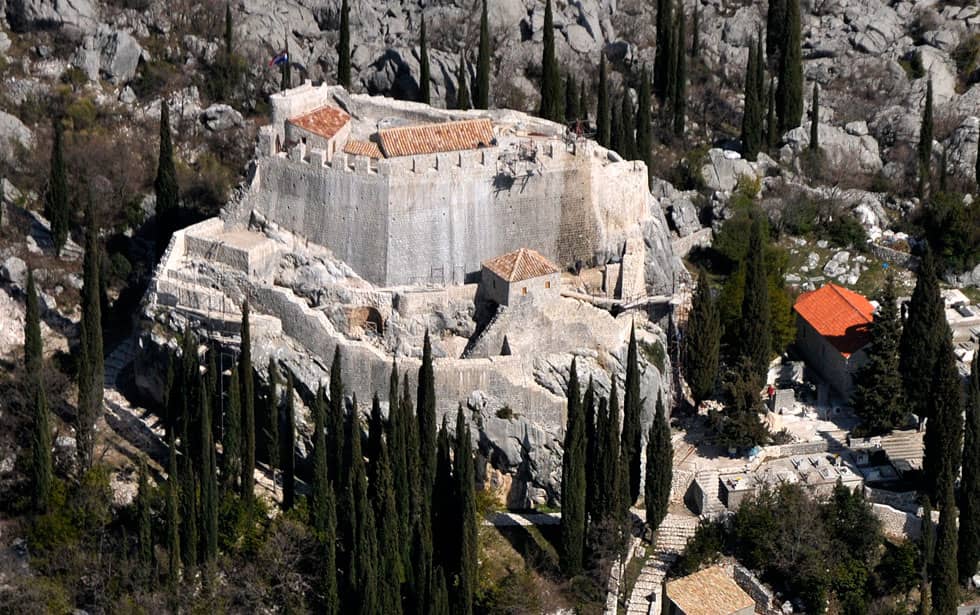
894	257
898	524
680	482
765	601
699	239
903	500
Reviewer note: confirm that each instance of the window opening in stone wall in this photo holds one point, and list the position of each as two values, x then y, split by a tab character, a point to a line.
524	291
547	284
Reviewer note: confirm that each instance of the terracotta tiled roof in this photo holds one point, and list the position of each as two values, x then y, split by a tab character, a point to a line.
434	138
362	148
708	592
522	264
325	121
840	315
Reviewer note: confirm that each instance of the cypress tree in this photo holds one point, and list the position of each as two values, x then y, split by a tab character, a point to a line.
462	92
878	398
56	208
662	59
444	514
976	173
571	100
925	141
629	138
390	572
397	441
751	130
592	435
696	30
376	428
619	497
248	408
271	431
439	595
573	485
772	130
190	536
229	30
703	341
616	135
968	553
632	409
288	449
550	78
144	529
815	120
679	85
754	341
343	47
789	92
286	78
42	474
91	373
944	430
928	543
945	577
481	87
609	458
165	184
366	541
413	455
776	30
427	419
173	520
335	422
424	95
465	475
644	127
320	483
348	514
602	117
943	170
328	542
760	83
659	467
921	337
231	445
209	484
583	104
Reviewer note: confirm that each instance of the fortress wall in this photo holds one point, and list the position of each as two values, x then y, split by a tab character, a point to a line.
331	206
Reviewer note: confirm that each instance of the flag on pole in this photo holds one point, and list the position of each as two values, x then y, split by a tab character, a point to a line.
281	58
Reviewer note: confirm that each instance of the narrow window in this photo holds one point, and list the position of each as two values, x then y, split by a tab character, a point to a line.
524	290
547	284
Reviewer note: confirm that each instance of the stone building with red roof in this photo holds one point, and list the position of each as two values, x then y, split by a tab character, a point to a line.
521	276
833	329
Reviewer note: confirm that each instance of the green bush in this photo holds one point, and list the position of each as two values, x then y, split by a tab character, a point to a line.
82	113
967	58
655	354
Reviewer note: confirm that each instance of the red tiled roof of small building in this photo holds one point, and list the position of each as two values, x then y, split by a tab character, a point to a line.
522	264
708	592
325	121
840	315
435	138
363	148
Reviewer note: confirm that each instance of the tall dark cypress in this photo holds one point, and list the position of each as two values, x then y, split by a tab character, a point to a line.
289	449
751	130
583	104
754	341
465	476
366	537
189	528
426	405
679	85
644	127
390	572
775	31
592	435
328	542
616	134
376	429
571	100
944	430
602	114
659	467
481	87
772	129
976	172
424	94
789	92
173	519
924	149
573	485
550	78
56	208
921	337
320	482
945	576
91	371
144	527
702	341
335	422
42	474
208	481
245	377
231	445
696	30
968	553
462	91
815	120
444	512
662	59
343	47
270	433
632	410
397	440
286	73
628	148
165	184
610	476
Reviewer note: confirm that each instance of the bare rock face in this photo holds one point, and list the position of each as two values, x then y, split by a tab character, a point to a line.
839	147
26	15
13	134
113	53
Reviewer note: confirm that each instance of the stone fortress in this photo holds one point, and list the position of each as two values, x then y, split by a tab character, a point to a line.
368	221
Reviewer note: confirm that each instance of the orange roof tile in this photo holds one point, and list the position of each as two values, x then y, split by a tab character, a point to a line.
840	315
362	148
522	264
325	121
708	592
434	138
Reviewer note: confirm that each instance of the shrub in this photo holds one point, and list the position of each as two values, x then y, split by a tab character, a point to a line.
82	113
967	58
505	413
655	354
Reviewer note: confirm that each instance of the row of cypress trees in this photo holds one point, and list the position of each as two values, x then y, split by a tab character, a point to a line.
480	98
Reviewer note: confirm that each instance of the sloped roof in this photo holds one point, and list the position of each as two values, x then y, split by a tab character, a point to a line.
708	592
522	264
840	315
435	138
362	148
325	121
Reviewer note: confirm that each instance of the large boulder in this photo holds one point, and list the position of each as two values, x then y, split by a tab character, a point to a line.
724	168
962	147
112	53
13	135
840	148
26	15
220	117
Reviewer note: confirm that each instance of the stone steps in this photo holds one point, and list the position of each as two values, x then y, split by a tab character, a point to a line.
672	537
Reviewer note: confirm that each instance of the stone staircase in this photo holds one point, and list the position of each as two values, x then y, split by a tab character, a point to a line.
708	479
672	537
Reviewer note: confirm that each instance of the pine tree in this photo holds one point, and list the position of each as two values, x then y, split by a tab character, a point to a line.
789	92
921	337
751	130
465	476
945	577
271	430
659	467
165	184
644	127
390	573
550	79
462	92
288	449
144	528
754	341
702	341
776	30
426	405
173	519
91	373
662	60
56	208
573	485
772	130
815	120
320	483
286	77
481	87
42	474
968	553
602	114
925	141
679	85
424	94
209	483
944	430
632	410
878	397
343	47
231	444
245	376
335	422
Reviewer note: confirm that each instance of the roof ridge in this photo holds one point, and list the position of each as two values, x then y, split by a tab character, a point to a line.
837	289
